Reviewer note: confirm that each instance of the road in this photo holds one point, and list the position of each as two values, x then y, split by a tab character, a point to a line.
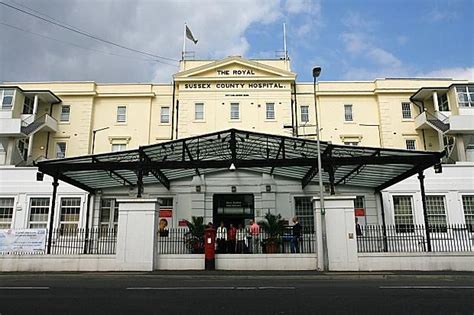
235	293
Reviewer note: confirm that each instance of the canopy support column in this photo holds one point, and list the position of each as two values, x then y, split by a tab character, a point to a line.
384	225
51	217
421	178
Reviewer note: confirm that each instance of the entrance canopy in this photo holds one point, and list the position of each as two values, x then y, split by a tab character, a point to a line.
296	158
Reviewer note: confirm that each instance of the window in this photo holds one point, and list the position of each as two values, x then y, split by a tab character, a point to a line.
6	96
28	105
436	213
410	144
351	143
468	206
109	212
443	102
359	202
234	111
65	111
199	111
403	214
165	115
6	212
119	147
465	95
304	212
121	114
39	211
406	110
348	113
270	111
60	150
304	114
166	203
70	212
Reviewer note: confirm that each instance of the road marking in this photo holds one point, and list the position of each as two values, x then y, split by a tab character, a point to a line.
210	288
24	288
427	287
276	288
181	288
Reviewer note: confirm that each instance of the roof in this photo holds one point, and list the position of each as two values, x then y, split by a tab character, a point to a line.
289	157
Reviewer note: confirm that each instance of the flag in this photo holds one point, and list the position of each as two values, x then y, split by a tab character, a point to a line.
189	35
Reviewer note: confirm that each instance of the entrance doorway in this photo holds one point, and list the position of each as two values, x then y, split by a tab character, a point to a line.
233	208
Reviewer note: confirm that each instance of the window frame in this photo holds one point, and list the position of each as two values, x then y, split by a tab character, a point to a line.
468	94
162	115
234	105
403	227
407	146
3	213
406	111
270	110
28	105
304	114
58	145
305	215
348	115
62	113
468	216
196	105
443	104
34	224
113	215
430	216
118	144
121	118
2	99
69	223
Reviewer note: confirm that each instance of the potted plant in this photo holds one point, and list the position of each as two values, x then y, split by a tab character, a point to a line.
273	225
195	237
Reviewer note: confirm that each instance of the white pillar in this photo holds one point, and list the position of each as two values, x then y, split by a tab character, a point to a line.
460	148
35	105
137	234
341	234
435	101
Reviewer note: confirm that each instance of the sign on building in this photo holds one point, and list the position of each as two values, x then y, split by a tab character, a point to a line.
27	240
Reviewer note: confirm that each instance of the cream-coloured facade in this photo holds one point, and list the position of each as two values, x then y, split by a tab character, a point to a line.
50	120
263	96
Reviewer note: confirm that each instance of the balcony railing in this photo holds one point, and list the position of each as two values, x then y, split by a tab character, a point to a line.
181	241
412	238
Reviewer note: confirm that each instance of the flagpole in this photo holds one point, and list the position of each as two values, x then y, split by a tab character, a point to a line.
184	43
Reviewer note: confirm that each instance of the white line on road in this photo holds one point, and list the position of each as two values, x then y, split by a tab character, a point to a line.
24	288
211	288
427	287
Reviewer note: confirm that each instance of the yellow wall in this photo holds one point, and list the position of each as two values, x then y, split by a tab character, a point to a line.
376	108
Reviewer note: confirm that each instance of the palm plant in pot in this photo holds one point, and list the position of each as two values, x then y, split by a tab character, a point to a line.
273	225
194	239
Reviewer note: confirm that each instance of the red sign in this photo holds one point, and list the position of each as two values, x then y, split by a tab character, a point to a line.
166	213
359	212
183	223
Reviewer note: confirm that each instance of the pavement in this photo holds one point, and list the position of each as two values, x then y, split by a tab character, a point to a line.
242	292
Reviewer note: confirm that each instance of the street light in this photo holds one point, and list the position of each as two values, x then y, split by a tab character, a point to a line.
316	73
93	136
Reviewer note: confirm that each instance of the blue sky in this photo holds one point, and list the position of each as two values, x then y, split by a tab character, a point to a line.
351	40
367	39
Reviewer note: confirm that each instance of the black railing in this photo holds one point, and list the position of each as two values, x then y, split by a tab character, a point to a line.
412	238
181	241
99	241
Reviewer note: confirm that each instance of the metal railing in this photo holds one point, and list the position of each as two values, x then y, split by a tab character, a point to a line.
412	238
181	241
98	241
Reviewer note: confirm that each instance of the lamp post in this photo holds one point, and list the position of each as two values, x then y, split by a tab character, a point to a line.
93	136
316	73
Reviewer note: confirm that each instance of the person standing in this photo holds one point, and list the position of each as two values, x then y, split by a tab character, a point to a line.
221	237
231	238
254	233
295	239
241	238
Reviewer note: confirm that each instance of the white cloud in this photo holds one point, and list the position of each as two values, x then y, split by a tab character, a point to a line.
462	73
151	26
383	57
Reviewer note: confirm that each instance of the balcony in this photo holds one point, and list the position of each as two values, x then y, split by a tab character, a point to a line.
437	121
16	127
